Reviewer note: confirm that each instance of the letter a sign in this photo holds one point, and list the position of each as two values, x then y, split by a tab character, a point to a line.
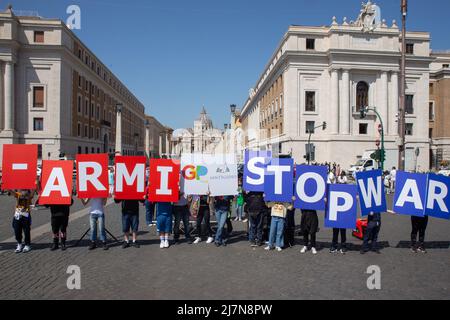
164	180
56	182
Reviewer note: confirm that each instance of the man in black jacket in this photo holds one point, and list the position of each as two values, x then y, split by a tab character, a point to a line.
256	207
130	220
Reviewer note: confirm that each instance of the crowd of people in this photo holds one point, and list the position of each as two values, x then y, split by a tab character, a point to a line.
269	224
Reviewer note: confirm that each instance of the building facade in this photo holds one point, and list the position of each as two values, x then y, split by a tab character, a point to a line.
159	138
54	92
201	138
439	110
326	74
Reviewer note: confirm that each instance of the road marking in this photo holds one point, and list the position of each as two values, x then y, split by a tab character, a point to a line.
45	228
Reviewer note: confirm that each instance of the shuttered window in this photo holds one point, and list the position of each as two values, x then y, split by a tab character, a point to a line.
39	36
38	97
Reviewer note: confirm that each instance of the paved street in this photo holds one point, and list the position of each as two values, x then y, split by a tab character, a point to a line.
234	272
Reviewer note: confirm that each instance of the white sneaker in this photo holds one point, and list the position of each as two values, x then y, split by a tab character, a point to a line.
166	244
313	250
197	240
278	249
19	248
210	240
26	249
161	245
304	249
268	248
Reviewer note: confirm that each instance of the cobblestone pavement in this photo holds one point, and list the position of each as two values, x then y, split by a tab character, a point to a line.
237	271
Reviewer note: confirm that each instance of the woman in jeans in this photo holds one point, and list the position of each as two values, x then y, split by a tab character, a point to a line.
97	214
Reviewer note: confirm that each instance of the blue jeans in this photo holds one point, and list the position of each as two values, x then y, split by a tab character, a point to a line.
277	232
149	212
239	212
221	234
101	225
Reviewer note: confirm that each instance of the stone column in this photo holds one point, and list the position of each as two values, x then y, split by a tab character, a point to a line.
383	110
119	128
147	139
9	96
167	144
160	145
344	114
393	110
2	102
334	112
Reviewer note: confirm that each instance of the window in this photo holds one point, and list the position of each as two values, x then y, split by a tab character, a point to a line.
363	128
310	127
362	95
430	133
91	134
39	36
310	44
410	48
409	104
98	134
409	129
368	164
310	101
92	109
38	124
445	65
79	129
79	150
79	53
431	111
85	131
79	81
79	104
98	113
92	150
86	107
38	97
98	150
86	150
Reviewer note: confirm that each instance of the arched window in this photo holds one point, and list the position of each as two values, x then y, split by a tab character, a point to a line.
362	95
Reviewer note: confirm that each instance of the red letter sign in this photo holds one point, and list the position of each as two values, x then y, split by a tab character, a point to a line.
130	178
92	175
56	182
19	166
164	180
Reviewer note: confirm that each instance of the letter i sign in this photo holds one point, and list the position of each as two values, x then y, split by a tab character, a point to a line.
19	166
164	180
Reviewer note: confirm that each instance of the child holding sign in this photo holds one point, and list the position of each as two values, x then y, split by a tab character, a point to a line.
278	213
164	211
22	219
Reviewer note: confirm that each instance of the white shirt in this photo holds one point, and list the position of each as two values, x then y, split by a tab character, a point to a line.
393	174
342	180
331	178
96	206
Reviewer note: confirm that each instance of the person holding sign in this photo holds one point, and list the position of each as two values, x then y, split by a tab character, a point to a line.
181	213
203	213
130	221
309	226
277	224
222	206
22	218
164	214
419	225
59	221
371	234
97	215
256	208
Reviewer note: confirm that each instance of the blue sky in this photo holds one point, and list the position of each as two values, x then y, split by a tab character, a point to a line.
178	55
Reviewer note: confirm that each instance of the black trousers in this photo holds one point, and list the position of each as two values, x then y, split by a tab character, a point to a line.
336	233
59	225
23	225
181	213
310	243
372	231
419	225
256	226
204	216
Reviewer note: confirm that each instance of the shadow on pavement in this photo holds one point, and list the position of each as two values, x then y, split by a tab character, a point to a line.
428	245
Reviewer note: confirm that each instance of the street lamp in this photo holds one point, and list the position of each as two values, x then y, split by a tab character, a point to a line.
119	107
324	127
402	113
233	108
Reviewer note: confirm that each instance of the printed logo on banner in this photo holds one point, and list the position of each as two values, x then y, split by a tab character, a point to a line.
255	163
19	166
129	178
92	176
371	191
341	206
279	180
410	192
310	187
56	182
438	197
164	180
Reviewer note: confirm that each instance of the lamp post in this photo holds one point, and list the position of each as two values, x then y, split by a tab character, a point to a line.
323	126
119	108
402	111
